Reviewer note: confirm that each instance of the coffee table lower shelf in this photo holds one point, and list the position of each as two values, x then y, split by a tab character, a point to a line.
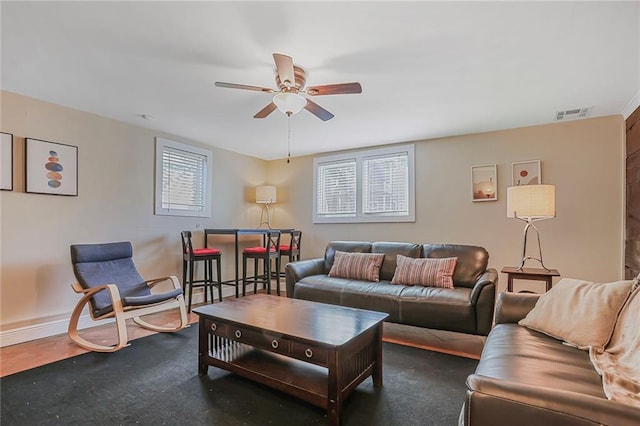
301	379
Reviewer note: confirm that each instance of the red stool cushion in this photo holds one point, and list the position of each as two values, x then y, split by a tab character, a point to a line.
257	250
205	251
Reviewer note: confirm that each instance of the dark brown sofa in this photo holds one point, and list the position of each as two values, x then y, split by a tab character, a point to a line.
467	308
527	378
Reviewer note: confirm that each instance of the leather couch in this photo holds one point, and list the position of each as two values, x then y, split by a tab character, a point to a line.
527	378
467	308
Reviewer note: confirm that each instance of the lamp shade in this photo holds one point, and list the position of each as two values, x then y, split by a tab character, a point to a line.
265	194
531	201
290	103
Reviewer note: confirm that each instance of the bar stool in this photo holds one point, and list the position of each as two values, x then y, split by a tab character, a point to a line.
206	255
291	251
270	251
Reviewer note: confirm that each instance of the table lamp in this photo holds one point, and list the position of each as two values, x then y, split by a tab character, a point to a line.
265	195
531	203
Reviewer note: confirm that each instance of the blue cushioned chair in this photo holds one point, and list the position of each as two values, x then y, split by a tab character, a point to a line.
113	288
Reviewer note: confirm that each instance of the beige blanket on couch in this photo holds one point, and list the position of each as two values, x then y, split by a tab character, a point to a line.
619	363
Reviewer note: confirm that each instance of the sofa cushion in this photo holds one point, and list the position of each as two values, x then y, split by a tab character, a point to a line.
438	308
381	296
391	250
358	266
581	313
347	246
472	261
320	288
516	354
425	272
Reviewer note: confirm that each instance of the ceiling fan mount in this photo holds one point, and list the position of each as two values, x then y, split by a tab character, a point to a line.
300	78
291	80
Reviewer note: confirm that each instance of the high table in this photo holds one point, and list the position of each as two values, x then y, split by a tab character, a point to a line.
236	232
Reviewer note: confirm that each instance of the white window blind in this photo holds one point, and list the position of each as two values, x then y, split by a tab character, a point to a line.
182	179
385	181
375	185
336	188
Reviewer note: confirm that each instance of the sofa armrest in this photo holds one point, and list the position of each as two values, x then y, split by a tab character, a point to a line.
502	402
483	297
488	279
512	307
295	271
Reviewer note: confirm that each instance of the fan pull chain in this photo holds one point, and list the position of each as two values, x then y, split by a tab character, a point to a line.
288	137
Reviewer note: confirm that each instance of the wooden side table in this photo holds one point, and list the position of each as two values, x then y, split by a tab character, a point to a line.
534	274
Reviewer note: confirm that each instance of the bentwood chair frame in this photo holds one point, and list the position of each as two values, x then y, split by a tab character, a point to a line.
113	289
189	258
270	251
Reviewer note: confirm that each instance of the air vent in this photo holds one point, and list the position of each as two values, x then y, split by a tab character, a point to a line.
571	114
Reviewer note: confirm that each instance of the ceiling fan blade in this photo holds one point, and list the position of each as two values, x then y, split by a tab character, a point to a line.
266	111
244	87
318	111
284	65
334	89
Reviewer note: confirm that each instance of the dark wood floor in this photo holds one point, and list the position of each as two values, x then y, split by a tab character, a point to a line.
39	352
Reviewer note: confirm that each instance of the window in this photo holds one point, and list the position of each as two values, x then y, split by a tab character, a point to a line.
376	185
182	179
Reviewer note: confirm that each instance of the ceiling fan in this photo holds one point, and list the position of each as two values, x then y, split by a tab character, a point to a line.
289	98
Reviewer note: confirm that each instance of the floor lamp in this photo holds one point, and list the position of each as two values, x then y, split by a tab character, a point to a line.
265	195
531	203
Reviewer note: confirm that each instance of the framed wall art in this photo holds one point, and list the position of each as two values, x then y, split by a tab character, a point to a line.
51	168
526	173
6	161
484	183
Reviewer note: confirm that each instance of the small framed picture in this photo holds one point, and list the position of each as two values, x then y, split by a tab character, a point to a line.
484	183
526	173
6	161
51	168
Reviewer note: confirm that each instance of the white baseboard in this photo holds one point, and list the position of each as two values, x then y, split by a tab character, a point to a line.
48	329
53	328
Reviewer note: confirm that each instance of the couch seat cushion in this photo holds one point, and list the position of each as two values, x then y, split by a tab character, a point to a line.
441	308
375	296
521	355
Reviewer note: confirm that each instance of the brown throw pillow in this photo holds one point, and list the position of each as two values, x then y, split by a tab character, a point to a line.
580	313
428	272
357	266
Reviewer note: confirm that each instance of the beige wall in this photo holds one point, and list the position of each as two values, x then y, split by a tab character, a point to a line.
584	159
114	202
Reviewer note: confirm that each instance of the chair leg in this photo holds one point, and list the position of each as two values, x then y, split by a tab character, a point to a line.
219	275
184	276
278	264
255	275
267	261
190	284
244	275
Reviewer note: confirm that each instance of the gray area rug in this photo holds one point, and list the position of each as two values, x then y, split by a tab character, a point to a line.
155	382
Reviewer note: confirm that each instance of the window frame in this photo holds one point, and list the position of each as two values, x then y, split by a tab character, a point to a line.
161	145
359	156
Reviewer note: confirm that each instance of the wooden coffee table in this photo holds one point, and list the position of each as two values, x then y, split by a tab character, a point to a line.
316	352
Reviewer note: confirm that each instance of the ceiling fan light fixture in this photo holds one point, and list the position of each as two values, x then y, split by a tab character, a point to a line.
290	103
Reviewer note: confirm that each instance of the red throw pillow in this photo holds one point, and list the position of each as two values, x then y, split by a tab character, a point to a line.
428	272
357	266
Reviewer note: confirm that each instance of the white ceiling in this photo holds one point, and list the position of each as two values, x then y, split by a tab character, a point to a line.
428	69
